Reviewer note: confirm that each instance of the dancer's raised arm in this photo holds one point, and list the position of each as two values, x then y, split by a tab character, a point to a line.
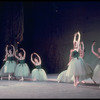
74	40
32	59
16	55
6	49
24	52
81	49
79	37
38	57
93	49
14	52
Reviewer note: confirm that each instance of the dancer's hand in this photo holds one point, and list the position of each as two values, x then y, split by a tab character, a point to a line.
21	49
7	45
16	50
94	43
34	53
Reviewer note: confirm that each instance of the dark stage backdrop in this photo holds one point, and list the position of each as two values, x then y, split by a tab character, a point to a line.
49	28
11	25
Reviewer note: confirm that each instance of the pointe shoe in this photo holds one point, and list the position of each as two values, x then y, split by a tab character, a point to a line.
21	79
9	77
1	78
83	81
35	79
58	81
75	84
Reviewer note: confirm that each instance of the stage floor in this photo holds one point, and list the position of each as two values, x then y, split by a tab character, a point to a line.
50	89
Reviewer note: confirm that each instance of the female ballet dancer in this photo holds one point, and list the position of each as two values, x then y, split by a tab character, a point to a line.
38	74
77	69
10	64
96	71
82	50
22	69
62	76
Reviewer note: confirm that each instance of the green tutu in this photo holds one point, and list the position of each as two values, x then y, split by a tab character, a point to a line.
22	70
39	74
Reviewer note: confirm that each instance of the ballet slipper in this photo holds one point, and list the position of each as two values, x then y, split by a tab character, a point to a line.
83	81
9	77
58	81
1	78
21	79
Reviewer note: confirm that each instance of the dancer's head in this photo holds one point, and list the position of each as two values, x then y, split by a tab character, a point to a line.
10	51
75	45
20	54
36	60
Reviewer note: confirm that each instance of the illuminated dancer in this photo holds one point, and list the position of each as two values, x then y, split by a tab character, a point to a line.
76	44
77	67
77	70
96	72
10	64
22	69
38	74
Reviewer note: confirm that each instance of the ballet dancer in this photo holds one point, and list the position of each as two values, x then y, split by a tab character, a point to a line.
10	63
38	74
22	69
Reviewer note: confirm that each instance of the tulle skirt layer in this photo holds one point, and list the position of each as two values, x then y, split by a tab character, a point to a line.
39	74
8	67
96	73
76	67
22	70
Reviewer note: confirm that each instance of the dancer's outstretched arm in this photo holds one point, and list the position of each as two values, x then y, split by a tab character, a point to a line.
24	52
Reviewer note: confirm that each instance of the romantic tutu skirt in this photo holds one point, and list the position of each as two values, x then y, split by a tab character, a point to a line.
22	70
76	67
96	73
8	67
39	74
62	77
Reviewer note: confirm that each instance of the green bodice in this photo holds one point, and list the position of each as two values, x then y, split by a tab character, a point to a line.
10	58
21	61
38	66
75	54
